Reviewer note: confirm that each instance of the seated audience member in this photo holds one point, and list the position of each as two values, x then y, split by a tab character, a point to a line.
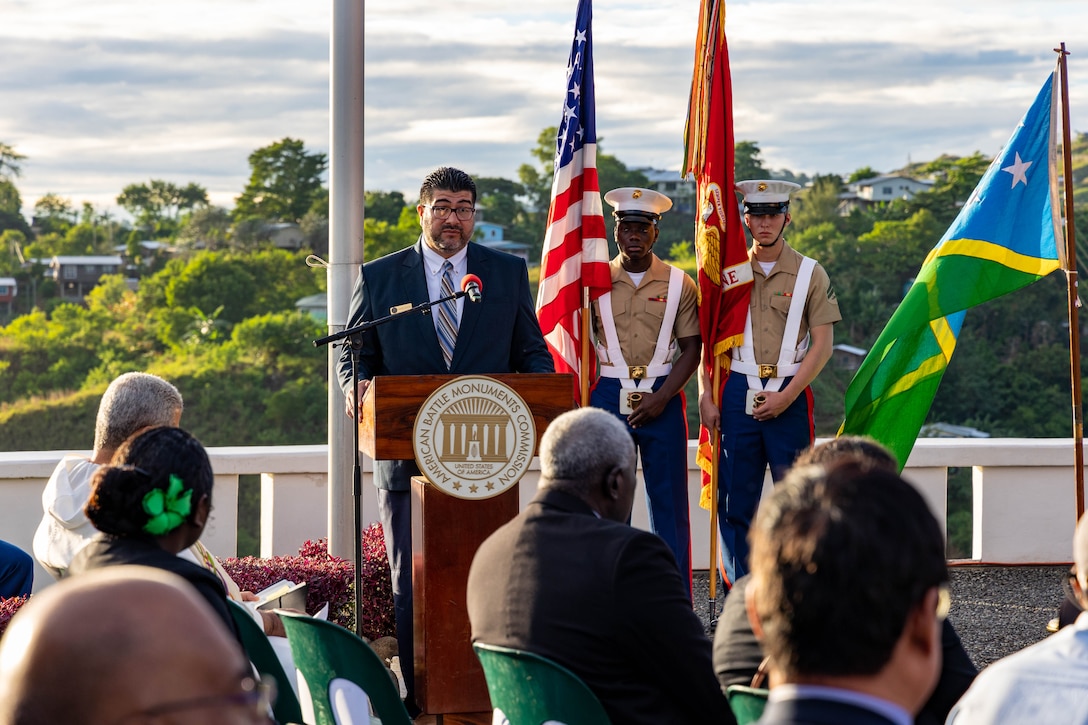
569	580
16	571
1046	682
131	403
150	504
738	654
847	593
124	645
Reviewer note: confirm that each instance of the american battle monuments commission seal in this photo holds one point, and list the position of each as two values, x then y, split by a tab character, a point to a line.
474	437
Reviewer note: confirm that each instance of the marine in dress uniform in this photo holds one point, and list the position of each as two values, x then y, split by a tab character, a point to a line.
766	409
649	315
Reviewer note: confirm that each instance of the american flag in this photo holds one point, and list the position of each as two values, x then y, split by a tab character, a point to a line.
575	255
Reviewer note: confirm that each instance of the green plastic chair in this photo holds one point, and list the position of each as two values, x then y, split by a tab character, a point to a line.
325	651
263	657
530	689
747	703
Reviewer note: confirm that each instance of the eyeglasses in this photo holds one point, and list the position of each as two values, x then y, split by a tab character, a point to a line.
257	698
464	213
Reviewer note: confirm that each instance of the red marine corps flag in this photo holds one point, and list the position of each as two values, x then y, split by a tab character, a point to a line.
725	274
574	265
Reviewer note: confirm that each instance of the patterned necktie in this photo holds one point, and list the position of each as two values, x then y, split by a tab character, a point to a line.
447	316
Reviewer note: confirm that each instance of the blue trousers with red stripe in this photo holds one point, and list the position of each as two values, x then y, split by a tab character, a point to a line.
663	447
748	447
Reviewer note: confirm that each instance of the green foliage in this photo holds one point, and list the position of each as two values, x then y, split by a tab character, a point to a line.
207	227
284	183
385	206
271	340
54	214
10	208
682	252
861	174
10	161
746	161
817	204
214	280
157	204
381	238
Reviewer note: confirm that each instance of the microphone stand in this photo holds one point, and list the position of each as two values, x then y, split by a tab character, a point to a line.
355	341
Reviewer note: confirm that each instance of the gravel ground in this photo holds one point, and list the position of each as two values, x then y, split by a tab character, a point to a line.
997	610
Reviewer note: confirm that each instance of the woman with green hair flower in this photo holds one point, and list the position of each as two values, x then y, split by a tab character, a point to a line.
152	502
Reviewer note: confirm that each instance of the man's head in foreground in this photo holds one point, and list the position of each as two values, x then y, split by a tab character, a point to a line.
123	644
589	453
848	575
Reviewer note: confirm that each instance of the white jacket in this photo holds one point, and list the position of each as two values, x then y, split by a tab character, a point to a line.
64	529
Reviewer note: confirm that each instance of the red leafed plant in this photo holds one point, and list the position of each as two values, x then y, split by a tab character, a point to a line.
8	608
330	579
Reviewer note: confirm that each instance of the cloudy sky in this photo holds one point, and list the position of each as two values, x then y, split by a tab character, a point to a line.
100	95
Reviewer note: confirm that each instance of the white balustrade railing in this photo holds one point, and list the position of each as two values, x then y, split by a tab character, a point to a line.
1022	491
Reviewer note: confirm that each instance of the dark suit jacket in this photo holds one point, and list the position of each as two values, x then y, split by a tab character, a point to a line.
604	600
737	655
105	550
500	334
814	711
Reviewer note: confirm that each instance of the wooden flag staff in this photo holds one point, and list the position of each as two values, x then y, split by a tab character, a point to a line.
1072	282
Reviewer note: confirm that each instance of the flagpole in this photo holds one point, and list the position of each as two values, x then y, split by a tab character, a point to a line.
716	449
1071	284
583	369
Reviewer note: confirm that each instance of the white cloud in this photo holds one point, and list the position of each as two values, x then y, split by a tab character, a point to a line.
102	95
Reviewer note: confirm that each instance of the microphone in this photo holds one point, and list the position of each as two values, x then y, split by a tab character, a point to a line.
472	287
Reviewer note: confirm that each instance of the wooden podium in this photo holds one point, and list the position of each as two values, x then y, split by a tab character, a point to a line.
446	531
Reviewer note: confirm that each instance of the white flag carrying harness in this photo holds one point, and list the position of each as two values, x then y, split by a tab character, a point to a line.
639	378
792	353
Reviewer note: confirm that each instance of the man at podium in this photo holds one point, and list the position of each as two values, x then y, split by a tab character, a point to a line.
498	333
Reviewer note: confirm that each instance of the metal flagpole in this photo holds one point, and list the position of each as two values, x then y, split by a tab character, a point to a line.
583	369
1072	282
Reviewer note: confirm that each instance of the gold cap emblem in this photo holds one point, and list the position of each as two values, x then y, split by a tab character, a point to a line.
762	186
636	194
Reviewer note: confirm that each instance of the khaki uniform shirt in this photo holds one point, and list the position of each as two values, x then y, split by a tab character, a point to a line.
771	298
639	313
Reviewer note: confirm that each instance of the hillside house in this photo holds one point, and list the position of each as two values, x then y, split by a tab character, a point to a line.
489	234
880	190
76	276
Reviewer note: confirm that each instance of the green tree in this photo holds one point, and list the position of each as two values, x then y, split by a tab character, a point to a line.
11	244
281	278
381	238
385	206
861	174
54	214
284	183
11	204
746	161
207	227
10	159
157	204
498	198
315	229
211	280
818	203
